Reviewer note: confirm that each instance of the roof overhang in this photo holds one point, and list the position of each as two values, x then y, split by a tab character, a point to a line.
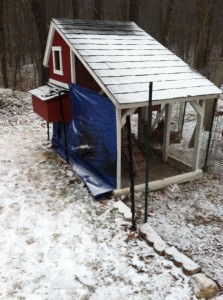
110	95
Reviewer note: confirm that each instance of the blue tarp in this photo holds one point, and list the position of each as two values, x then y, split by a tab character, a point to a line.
91	139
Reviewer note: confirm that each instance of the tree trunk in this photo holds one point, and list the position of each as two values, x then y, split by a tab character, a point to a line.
98	9
39	13
3	46
134	11
202	54
125	9
171	8
75	5
218	74
218	81
205	16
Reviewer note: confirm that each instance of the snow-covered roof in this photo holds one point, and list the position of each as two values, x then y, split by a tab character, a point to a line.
123	59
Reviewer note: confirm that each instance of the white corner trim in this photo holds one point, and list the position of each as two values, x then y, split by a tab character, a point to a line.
72	67
49	45
129	112
196	106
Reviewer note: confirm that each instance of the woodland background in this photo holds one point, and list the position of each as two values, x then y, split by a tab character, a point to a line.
192	29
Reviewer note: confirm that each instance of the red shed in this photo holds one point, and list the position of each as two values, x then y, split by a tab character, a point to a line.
119	59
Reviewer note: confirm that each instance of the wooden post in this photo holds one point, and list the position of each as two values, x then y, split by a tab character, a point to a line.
166	135
128	112
197	141
158	117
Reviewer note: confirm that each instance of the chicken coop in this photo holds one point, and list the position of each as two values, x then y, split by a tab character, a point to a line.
106	67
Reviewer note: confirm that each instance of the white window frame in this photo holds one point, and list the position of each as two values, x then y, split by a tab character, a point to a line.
57	49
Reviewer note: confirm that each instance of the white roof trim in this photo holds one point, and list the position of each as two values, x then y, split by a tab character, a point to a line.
49	44
166	101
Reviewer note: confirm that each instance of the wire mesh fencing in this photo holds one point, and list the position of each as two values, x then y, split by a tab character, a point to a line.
179	154
215	155
181	149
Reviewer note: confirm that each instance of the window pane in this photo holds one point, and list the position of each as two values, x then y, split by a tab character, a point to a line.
57	60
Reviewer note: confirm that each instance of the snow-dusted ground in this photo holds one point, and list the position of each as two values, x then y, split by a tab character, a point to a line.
58	243
190	217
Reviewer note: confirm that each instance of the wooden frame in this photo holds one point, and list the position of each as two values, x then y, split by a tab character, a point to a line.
72	66
159	184
197	141
57	60
166	136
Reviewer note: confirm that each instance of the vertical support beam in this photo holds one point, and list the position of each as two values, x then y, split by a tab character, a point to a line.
119	147
158	117
148	149
197	140
166	135
205	167
72	66
131	175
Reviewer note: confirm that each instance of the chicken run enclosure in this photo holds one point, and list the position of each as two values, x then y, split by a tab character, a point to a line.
170	155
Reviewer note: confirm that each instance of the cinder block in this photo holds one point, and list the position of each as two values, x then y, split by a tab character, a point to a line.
152	238
123	209
188	265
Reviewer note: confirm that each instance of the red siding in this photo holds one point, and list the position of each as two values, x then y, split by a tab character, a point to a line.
84	78
50	110
66	77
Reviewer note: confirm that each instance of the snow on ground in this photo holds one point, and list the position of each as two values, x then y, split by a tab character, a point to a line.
56	241
190	217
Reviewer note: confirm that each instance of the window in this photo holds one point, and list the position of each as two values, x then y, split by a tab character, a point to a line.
57	60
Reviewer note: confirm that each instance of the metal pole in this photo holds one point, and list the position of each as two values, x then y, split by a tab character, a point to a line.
64	125
148	149
182	125
48	131
131	171
205	167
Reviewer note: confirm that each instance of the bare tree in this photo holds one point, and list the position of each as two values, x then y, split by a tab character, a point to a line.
205	15
134	10
171	8
39	13
3	46
76	9
193	33
204	43
125	9
98	9
218	74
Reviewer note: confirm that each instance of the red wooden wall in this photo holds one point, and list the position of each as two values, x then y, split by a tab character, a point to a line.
84	78
66	77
